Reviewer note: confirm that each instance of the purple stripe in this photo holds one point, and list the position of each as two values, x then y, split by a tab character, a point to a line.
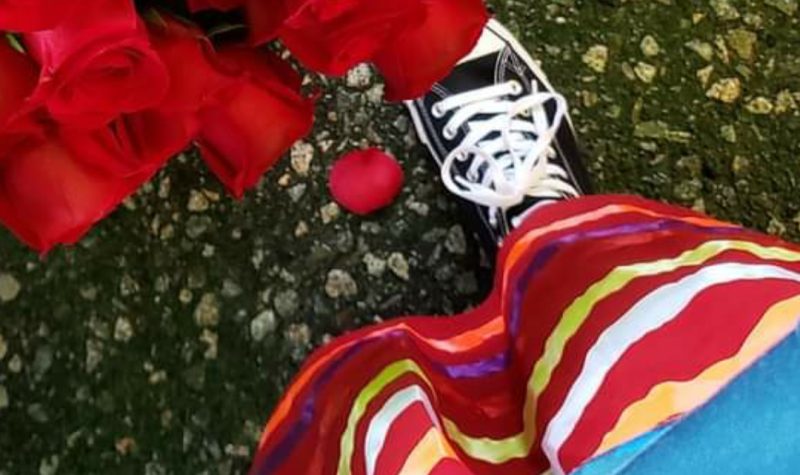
480	368
550	249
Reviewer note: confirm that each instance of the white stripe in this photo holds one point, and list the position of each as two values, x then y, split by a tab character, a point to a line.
380	424
655	310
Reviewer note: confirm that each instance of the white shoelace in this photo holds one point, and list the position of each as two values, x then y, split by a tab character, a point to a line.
513	152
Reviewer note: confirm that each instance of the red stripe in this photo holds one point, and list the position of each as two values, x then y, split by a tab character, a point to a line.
712	328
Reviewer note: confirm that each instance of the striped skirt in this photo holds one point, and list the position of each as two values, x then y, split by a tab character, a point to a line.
613	322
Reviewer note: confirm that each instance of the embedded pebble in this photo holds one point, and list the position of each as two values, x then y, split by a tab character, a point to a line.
740	165
340	284
206	314
787	7
650	46
3	397
198	202
301	229
299	336
375	265
704	49
760	106
262	325
596	58
728	132
211	341
49	466
785	102
645	72
724	10
456	241
301	155
286	303
704	75
231	289
297	191
329	212
743	42
726	90
9	287
43	360
196	226
399	265
94	354
15	364
123	330
359	77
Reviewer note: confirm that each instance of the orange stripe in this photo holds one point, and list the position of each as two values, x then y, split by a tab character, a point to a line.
471	338
432	449
672	398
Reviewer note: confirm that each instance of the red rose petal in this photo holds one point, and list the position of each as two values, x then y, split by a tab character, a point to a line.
365	181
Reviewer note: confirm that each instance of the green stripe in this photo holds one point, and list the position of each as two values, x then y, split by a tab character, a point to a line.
499	451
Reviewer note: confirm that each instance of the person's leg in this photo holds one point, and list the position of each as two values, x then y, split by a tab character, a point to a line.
611	318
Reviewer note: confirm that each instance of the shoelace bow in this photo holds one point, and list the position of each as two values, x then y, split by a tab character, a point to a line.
513	153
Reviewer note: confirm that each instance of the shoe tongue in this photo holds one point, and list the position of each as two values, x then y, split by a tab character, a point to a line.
472	74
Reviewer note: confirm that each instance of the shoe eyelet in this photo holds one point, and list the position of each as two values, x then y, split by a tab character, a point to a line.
449	133
437	111
516	88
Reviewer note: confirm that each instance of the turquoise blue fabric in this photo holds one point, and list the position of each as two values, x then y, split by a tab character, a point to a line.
751	427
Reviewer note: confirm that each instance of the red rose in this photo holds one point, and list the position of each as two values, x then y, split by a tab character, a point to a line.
50	193
32	15
17	80
244	103
413	42
97	65
250	124
55	183
426	52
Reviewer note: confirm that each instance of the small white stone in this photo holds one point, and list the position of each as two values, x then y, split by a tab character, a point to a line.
760	106
456	241
399	265
645	72
340	284
123	330
302	154
198	202
726	90
3	397
301	229
211	340
650	46
375	265
206	314
262	325
9	287
596	58
15	364
359	77
329	212
94	354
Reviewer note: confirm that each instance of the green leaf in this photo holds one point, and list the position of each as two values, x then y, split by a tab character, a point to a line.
14	42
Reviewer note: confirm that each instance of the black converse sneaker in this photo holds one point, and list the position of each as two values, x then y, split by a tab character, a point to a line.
501	136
